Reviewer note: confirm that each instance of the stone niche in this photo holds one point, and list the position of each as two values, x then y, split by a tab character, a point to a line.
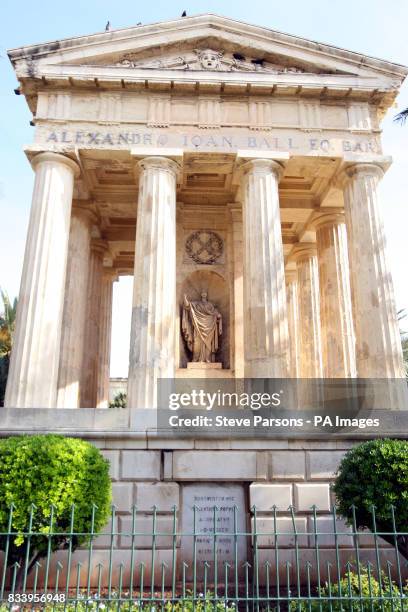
216	286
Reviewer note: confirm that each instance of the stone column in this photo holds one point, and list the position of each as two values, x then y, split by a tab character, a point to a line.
89	383
105	334
152	347
265	317
304	254
238	288
74	318
378	344
338	341
293	321
33	375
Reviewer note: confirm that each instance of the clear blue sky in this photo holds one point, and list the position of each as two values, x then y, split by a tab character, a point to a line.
374	27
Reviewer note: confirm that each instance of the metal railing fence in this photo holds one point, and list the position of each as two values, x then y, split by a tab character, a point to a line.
142	561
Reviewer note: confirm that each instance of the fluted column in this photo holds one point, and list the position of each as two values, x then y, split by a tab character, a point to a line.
293	321
378	343
338	341
33	375
105	334
89	383
304	254
74	318
152	350
238	289
265	317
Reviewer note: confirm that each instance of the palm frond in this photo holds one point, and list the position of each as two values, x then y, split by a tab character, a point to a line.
402	116
7	323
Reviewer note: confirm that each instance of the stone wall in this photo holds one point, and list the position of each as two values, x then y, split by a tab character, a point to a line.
148	471
283	474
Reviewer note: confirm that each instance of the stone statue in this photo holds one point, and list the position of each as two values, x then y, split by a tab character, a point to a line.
201	326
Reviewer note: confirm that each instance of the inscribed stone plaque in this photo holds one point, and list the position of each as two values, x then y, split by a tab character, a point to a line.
215	525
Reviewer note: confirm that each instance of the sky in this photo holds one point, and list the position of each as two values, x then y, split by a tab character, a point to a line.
373	27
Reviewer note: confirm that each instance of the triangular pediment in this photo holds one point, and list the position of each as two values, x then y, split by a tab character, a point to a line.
204	43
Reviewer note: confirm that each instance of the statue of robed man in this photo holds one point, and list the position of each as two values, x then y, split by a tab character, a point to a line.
201	326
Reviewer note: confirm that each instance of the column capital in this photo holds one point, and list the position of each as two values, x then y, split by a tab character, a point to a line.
235	210
157	162
262	166
368	169
320	219
56	158
303	250
109	273
99	246
85	213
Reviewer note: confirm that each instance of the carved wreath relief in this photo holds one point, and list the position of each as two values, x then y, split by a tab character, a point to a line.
204	247
207	59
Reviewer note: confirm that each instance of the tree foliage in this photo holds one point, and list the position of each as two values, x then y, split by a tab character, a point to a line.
119	401
357	592
372	484
50	483
402	315
7	324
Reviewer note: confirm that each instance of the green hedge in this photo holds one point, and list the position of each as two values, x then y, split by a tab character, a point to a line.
45	474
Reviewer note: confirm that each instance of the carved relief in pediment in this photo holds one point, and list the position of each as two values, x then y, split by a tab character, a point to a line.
209	60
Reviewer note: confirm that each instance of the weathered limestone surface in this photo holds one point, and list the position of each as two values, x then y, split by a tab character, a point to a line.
322	465
238	288
90	371
74	318
231	465
33	375
104	340
308	495
140	465
378	344
266	527
338	342
162	495
293	322
154	298
288	466
266	496
311	365
266	326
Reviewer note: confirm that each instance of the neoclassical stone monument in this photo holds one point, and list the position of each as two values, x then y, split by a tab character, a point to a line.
202	156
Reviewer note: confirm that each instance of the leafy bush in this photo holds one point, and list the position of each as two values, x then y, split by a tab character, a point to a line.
374	475
48	479
372	595
119	401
